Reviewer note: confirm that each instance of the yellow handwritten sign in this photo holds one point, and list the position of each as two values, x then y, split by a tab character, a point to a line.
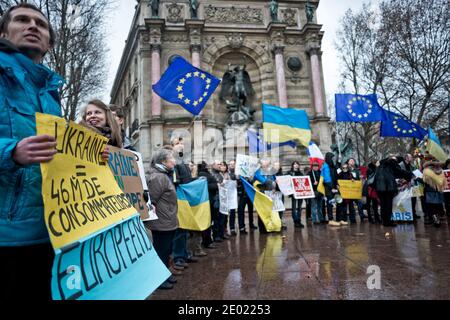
350	189
81	196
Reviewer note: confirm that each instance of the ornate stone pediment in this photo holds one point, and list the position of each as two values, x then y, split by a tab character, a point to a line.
175	13
175	38
235	40
289	17
234	15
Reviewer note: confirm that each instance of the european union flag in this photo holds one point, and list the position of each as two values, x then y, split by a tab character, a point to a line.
186	85
358	108
395	125
256	143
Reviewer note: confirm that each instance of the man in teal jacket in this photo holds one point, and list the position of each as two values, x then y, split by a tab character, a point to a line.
26	87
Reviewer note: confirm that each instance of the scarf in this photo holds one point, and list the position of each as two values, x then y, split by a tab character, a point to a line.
162	168
434	179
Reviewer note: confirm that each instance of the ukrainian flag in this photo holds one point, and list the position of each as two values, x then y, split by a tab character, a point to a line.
194	212
263	205
434	146
284	124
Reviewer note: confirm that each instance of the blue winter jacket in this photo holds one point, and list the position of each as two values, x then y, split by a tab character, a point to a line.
326	173
25	88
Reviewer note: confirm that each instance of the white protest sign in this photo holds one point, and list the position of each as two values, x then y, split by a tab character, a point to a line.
141	169
231	187
223	200
246	166
303	188
285	185
402	206
277	200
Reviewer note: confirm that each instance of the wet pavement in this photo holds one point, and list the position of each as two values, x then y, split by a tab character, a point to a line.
322	262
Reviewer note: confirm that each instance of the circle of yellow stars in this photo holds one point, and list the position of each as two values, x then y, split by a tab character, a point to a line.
182	82
359	99
402	130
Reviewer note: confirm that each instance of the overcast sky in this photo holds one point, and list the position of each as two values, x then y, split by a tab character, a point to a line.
329	13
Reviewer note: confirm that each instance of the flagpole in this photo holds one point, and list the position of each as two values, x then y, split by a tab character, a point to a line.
338	143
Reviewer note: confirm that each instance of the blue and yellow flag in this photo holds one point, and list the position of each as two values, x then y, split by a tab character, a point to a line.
194	212
186	85
358	108
263	205
395	125
434	146
256	143
285	124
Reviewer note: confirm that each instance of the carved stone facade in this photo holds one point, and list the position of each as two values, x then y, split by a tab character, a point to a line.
245	15
282	58
175	13
290	17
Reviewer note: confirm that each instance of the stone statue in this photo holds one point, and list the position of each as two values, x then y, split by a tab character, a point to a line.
236	90
194	9
274	10
346	150
309	11
154	5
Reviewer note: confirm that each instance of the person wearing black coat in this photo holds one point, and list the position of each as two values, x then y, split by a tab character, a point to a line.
316	203
296	203
213	190
346	208
368	192
386	186
447	194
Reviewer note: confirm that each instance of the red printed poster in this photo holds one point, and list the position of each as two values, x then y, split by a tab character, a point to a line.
363	171
447	175
302	188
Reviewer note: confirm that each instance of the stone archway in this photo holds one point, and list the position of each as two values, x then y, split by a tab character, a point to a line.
260	66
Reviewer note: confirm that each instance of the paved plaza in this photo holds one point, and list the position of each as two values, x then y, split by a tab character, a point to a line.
323	262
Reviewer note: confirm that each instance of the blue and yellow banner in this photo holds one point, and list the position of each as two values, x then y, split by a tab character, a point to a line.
194	212
263	206
117	264
434	146
285	124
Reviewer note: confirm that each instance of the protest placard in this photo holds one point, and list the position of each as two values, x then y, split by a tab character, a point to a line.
80	193
302	188
140	163
126	171
117	264
447	176
228	196
223	200
350	189
102	250
277	199
402	206
285	185
246	166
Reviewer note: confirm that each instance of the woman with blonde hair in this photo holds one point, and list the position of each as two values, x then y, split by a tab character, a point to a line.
435	183
98	117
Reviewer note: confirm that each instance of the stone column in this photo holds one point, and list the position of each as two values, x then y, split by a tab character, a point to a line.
281	77
317	83
195	56
195	27
156	75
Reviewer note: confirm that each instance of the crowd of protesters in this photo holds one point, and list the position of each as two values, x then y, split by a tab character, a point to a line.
29	87
381	183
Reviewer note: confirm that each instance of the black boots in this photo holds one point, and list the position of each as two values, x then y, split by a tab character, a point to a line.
436	221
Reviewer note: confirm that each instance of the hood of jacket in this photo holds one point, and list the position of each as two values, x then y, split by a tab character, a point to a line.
8	47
